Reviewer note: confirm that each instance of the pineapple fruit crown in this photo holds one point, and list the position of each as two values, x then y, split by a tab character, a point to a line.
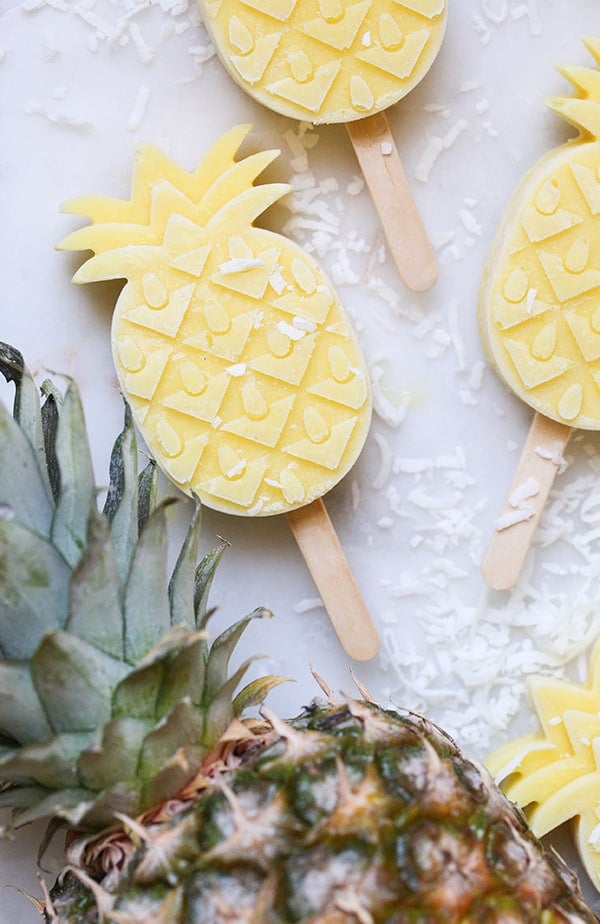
110	694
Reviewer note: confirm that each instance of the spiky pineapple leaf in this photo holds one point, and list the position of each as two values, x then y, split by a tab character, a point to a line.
70	803
115	757
147	615
121	504
184	676
27	406
219	711
22	716
28	795
221	650
182	727
101	809
75	681
23	492
51	763
147	489
205	573
181	585
77	486
255	692
137	694
95	612
182	766
34	589
49	428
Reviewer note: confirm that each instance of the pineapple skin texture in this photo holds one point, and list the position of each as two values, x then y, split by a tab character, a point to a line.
538	300
327	61
347	814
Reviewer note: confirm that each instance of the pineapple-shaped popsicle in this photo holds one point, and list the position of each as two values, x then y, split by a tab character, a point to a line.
327	60
540	315
554	774
239	363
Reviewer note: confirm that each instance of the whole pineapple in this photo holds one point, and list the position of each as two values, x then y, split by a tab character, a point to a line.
539	299
119	721
327	60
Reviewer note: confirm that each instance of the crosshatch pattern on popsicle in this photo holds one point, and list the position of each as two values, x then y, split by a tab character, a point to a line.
235	354
543	330
327	60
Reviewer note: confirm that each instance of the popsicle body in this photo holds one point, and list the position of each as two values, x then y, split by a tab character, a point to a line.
539	302
236	356
554	774
326	60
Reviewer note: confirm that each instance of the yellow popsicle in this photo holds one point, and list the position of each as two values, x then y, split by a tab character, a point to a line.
554	775
328	61
235	354
539	312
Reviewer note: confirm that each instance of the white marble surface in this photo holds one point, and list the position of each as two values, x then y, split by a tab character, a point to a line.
80	85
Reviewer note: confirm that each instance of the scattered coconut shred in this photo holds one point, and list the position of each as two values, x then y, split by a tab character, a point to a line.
469	667
473	649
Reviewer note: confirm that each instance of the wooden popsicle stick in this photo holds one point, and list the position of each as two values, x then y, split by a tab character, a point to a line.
393	199
537	469
342	599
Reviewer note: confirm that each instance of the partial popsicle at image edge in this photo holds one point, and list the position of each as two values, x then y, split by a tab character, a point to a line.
234	352
325	62
539	313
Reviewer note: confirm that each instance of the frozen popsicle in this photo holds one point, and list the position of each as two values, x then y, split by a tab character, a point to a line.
553	774
239	363
540	312
327	61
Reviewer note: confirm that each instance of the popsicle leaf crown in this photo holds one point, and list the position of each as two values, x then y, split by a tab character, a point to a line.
582	110
168	202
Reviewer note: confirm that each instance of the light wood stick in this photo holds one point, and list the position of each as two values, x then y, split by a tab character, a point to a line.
533	480
342	599
393	199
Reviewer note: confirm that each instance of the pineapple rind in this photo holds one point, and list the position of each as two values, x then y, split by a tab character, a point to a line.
93	634
349	813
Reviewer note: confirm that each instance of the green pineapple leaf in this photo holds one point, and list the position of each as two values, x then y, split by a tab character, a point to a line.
121	504
147	615
205	573
22	716
77	487
95	611
75	681
27	408
23	493
34	589
181	585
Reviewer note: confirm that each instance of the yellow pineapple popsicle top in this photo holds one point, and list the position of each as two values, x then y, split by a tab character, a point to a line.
326	60
554	775
233	350
540	297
